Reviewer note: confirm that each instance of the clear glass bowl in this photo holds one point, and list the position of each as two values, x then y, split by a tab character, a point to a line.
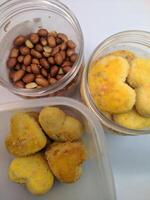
96	181
136	41
23	17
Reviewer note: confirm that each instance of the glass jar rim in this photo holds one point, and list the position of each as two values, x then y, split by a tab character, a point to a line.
10	4
87	96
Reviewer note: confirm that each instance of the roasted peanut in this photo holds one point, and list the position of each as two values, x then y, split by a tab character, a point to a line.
42	82
54	70
24	50
60	71
47	49
35	61
34	38
19	40
66	69
11	62
70	52
29	44
20	84
35	68
52	80
51	60
63	54
36	54
46	54
38	47
52	33
71	44
44	63
51	41
28	78
14	53
44	72
28	69
58	41
18	75
63	46
20	59
43	41
31	85
73	57
39	76
58	77
42	32
62	36
66	63
58	59
27	60
55	50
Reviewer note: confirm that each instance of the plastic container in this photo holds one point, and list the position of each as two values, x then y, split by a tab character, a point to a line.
96	181
135	41
23	17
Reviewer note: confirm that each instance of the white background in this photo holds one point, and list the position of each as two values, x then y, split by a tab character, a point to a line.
130	156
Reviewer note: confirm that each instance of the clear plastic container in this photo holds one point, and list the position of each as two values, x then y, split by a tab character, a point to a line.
96	181
23	17
134	41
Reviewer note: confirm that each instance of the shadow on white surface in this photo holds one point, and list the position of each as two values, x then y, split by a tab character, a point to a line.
130	159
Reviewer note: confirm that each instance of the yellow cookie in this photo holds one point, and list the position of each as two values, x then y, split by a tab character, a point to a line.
59	126
71	130
139	73
143	100
114	97
109	68
51	119
132	120
65	160
33	171
26	136
125	54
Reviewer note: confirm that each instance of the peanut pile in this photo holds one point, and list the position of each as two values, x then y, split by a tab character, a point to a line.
40	59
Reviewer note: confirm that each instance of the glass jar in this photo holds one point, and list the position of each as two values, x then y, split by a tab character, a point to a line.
135	41
23	17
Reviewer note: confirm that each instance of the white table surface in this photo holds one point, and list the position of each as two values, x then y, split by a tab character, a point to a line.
130	156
